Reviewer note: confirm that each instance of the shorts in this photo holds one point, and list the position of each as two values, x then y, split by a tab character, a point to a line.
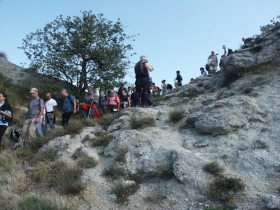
211	68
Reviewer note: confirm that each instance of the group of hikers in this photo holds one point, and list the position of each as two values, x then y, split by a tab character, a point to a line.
96	104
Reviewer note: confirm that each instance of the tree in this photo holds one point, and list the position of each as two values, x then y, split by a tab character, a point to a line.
83	51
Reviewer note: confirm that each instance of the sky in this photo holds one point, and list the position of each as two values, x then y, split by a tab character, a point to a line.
174	34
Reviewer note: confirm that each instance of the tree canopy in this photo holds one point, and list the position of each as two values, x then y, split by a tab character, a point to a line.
83	51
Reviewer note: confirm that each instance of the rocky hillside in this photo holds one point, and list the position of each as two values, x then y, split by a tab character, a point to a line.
231	118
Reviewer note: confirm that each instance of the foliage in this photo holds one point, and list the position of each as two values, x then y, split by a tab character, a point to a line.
73	127
142	122
67	179
213	168
274	24
102	140
82	50
35	203
224	188
123	190
247	89
3	55
87	162
106	120
114	172
176	114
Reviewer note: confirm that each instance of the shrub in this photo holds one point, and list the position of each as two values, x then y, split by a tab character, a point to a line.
73	127
102	140
106	120
165	172
224	188
156	197
176	114
3	55
274	24
213	168
88	122
123	190
114	172
49	155
41	174
36	143
247	89
78	153
35	203
142	122
87	162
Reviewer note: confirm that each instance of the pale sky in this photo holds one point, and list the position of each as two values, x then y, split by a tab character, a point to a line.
174	34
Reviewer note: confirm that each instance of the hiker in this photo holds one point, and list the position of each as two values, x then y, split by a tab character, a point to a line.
155	90
227	51
42	128
113	102
33	116
50	106
133	97
89	104
125	99
142	69
179	79
69	106
129	91
102	103
5	114
164	86
247	41
203	72
212	62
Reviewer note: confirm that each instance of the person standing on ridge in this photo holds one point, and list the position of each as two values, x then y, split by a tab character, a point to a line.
212	62
142	69
179	79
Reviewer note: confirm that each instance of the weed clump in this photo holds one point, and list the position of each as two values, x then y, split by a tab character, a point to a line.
87	162
103	140
123	190
223	189
143	122
176	114
213	168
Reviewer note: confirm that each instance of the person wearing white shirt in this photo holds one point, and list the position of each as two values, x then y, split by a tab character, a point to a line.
50	105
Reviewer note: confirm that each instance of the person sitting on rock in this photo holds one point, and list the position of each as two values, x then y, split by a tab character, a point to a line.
203	72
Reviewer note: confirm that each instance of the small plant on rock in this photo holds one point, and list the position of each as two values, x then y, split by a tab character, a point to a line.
123	190
176	114
223	189
247	89
35	203
103	140
73	127
143	122
87	162
213	168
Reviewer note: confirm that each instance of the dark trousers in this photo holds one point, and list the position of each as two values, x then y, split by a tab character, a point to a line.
3	129
142	85
65	118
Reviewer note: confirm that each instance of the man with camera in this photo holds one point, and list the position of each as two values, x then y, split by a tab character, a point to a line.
142	69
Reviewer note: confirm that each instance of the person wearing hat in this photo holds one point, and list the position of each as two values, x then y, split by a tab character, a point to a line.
142	69
33	116
179	79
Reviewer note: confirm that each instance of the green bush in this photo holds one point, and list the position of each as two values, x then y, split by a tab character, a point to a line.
35	203
106	120
103	140
142	122
213	168
73	127
87	162
223	189
123	191
176	114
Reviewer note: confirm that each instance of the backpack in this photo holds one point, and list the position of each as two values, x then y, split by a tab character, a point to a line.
6	119
169	87
77	102
207	67
141	70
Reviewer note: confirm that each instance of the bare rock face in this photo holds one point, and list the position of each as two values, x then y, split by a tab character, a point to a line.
224	116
